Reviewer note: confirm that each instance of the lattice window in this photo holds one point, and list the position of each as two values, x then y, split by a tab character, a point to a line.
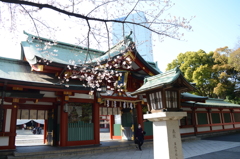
171	99
186	120
156	100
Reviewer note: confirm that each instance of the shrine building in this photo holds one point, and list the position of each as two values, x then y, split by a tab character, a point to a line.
57	82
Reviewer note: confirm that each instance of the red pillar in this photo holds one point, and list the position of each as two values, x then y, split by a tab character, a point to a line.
63	127
111	122
139	114
13	127
232	117
96	122
210	118
45	131
194	120
222	118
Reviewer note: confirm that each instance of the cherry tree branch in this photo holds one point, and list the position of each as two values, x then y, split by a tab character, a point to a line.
107	36
40	6
88	41
31	19
100	6
131	11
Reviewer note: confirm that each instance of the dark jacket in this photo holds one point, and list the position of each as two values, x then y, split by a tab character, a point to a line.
139	133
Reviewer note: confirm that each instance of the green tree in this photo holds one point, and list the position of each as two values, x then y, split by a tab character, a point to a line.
211	72
225	72
234	59
197	67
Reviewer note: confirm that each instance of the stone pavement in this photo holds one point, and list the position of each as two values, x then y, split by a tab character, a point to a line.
221	147
26	137
197	149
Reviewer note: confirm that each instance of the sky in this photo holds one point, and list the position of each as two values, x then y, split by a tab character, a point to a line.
217	24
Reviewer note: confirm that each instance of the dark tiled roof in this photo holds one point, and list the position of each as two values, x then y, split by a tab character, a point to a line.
159	80
58	52
35	48
212	102
191	96
20	71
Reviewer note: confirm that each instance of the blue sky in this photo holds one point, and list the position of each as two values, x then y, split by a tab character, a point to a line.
217	24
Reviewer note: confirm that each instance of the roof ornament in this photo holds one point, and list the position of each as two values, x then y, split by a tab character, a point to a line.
128	38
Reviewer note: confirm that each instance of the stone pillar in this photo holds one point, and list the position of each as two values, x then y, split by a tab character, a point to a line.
167	141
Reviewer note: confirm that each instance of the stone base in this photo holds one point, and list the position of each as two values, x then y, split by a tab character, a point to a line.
167	142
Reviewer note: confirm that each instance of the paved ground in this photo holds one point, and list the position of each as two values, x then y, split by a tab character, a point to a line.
26	137
222	147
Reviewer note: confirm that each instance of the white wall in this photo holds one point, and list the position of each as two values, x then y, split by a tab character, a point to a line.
8	120
217	127
237	125
4	141
186	130
199	129
201	109
83	96
228	126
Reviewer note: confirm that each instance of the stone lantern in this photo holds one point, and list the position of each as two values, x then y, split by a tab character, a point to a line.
163	97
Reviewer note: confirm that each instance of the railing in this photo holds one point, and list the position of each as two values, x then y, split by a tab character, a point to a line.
80	131
148	128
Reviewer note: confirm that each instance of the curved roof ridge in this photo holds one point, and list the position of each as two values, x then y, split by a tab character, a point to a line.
63	43
169	72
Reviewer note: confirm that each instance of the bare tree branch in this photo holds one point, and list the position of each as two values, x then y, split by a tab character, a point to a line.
94	27
73	6
131	10
41	6
100	6
42	23
107	36
31	18
160	12
88	41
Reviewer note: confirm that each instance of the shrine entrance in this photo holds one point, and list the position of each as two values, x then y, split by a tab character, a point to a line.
129	120
118	122
36	127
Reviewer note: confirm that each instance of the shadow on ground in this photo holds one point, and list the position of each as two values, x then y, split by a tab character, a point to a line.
228	137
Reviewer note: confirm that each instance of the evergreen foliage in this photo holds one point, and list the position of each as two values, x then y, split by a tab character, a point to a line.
215	74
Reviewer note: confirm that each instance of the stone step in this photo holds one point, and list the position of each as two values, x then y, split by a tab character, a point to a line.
76	151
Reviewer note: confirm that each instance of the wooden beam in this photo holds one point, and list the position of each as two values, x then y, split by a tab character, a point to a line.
17	88
47	88
36	106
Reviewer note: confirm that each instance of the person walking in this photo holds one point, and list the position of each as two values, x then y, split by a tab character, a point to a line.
139	136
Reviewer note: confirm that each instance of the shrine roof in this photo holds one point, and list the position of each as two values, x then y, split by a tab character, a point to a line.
19	71
36	48
192	96
218	102
154	66
211	102
160	80
63	53
150	65
39	48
